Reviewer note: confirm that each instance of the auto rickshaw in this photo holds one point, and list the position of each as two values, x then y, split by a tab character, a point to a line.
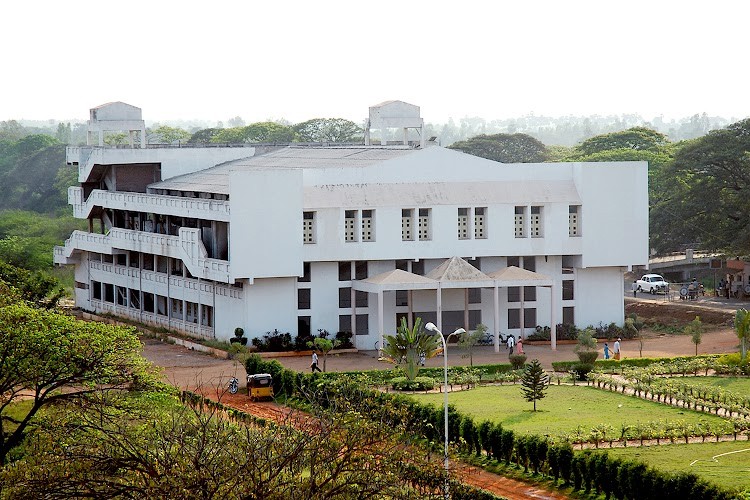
260	386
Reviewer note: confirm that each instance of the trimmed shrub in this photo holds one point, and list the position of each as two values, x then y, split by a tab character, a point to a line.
517	361
418	384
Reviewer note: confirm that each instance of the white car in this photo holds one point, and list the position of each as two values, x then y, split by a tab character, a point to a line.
652	283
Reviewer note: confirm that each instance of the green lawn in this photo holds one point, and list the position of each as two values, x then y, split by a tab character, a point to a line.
739	385
728	471
563	409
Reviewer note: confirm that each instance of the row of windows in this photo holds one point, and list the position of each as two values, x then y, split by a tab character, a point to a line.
359	225
304	324
153	303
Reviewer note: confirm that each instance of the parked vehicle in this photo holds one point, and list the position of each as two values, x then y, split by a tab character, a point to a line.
234	385
260	386
652	283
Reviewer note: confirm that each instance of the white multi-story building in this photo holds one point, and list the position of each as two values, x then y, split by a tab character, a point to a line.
351	238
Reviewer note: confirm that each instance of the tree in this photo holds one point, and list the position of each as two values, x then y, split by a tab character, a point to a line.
469	341
47	357
706	191
405	348
169	135
636	138
534	382
634	326
742	329
695	330
325	346
269	132
505	148
328	130
203	136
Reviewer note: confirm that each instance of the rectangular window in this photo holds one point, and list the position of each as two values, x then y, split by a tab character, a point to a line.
567	290
121	259
361	298
520	222
418	267
514	261
363	324
345	298
424	224
191	312
96	290
403	265
134	299
109	293
514	318
305	278
360	270
529	293
303	298
207	315
122	296
568	263
345	271
574	219
148	302
345	323
148	262
368	225
514	294
308	227
134	259
176	268
463	223
304	327
480	229
529	263
475	295
350	225
529	316
535	222
176	308
161	305
569	316
162	264
407	224
402	297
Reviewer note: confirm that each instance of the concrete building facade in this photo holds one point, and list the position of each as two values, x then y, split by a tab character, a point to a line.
303	238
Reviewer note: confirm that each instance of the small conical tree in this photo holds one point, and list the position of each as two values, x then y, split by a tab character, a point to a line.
534	382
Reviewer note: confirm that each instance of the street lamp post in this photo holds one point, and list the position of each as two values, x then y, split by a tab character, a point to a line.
431	327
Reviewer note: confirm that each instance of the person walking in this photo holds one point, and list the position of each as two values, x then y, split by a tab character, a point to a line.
314	364
606	350
519	348
634	288
511	343
617	348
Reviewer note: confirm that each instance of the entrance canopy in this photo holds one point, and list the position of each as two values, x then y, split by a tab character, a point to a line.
453	273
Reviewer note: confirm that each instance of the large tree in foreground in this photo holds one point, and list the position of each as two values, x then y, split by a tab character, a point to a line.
47	357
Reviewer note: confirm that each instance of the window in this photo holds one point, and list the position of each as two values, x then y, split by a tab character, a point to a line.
567	290
368	226
418	267
475	295
529	263
424	224
345	298
407	224
305	278
161	305
345	323
121	259
350	225
135	299
191	312
134	259
514	318
403	265
361	298
360	270
345	271
402	298
176	307
535	222
176	267
303	326
303	298
514	261
96	290
568	316
148	302
520	222
568	263
148	262
463	223
308	227
514	294
122	296
574	219
479	223
109	293
529	293
207	315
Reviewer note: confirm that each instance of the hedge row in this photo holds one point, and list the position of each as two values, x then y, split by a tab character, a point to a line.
532	453
680	364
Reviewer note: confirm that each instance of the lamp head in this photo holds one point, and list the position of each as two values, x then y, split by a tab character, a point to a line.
431	327
459	331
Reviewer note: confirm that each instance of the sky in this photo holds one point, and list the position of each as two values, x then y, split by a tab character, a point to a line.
297	60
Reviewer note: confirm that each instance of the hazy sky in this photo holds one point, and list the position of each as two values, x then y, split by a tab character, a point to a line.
183	60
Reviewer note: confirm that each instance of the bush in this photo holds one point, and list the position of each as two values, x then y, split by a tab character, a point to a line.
587	357
345	340
418	384
517	361
581	370
541	333
566	331
274	341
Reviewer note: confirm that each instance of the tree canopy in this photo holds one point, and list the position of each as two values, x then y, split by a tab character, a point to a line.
637	138
48	357
328	130
505	148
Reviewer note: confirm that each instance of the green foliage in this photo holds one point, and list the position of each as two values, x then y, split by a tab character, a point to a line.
204	136
34	286
168	135
57	358
418	384
469	340
636	138
517	361
269	132
534	382
505	148
405	348
742	328
327	130
695	330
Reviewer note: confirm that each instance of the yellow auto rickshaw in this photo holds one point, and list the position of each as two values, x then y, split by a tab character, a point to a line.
260	386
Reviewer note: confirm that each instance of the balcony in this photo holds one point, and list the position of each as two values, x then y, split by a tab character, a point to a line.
187	247
198	208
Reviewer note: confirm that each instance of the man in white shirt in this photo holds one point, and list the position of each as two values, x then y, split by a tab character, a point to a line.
511	343
314	364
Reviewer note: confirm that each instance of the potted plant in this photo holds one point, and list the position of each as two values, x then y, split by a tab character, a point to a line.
238	336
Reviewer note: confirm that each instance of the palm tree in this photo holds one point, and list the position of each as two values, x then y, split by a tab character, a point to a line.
404	348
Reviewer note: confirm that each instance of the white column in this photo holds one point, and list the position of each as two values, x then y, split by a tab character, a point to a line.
380	316
553	315
439	319
496	294
522	313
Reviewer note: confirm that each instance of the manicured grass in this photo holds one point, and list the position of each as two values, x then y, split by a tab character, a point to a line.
728	471
739	385
562	410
